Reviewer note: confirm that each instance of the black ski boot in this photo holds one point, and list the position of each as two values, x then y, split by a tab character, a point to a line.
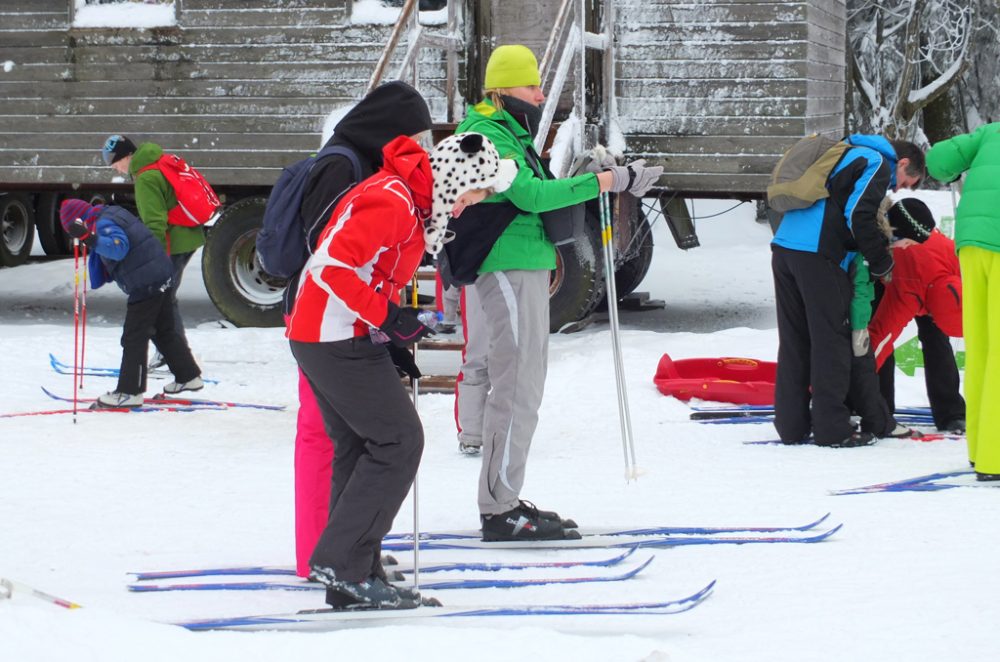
547	514
523	524
370	593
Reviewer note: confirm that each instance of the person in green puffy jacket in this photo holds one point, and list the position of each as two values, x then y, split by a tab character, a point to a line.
507	308
154	197
977	237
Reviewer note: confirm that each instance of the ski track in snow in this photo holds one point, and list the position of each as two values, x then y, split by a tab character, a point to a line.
910	576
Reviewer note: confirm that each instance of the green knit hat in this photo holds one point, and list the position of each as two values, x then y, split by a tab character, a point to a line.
512	66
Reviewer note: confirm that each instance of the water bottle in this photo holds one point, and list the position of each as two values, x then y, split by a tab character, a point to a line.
429	318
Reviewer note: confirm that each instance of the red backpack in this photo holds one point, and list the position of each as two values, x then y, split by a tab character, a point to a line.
196	201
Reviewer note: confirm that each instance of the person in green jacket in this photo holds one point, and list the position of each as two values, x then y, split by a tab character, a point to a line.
154	197
501	389
977	238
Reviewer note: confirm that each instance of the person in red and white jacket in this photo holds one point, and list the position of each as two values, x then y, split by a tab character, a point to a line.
926	285
346	330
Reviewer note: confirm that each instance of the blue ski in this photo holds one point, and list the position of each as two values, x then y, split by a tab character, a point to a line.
429	586
457	566
605	541
611	531
329	619
91	371
918	484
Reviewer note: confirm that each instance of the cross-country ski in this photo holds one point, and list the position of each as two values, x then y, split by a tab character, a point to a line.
405	567
325	619
438	585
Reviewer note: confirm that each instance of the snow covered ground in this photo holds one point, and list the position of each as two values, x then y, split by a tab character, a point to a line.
910	576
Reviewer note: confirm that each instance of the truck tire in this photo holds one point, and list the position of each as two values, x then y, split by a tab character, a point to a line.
577	282
17	229
234	279
633	270
51	235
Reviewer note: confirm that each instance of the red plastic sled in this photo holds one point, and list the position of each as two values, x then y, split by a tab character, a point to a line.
725	379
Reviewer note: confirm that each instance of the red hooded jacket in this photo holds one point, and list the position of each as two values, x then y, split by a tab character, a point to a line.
368	252
925	281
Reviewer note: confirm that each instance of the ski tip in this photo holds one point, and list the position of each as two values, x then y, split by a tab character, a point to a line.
827	534
642	566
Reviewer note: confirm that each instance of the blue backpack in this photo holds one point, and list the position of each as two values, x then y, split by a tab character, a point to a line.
286	240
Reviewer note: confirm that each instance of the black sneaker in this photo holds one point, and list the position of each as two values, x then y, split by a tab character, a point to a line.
981	477
855	440
371	593
521	524
532	509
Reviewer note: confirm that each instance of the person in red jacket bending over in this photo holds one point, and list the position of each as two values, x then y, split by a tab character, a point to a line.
926	285
345	331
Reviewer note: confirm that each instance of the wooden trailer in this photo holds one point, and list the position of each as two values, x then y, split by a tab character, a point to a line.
713	90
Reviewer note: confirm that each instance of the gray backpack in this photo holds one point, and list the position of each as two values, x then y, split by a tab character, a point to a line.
799	179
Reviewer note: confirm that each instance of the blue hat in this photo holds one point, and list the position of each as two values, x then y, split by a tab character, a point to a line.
116	148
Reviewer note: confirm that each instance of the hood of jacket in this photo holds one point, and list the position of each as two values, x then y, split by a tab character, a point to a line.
148	153
390	110
408	160
880	145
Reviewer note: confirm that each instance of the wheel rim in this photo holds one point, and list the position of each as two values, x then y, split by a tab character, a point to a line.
248	277
14	226
558	275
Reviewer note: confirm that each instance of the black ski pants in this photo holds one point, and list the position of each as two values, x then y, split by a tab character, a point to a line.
813	296
940	375
153	319
378	441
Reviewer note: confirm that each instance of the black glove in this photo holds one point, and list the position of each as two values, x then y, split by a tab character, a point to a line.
403	360
78	230
403	327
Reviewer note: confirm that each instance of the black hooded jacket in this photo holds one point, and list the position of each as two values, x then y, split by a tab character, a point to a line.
391	110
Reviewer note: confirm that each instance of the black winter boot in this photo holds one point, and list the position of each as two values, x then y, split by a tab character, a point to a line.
523	524
371	593
531	508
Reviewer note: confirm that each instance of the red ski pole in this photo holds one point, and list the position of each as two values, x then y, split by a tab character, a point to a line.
76	320
83	320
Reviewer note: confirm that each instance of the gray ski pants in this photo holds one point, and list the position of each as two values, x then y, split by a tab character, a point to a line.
503	401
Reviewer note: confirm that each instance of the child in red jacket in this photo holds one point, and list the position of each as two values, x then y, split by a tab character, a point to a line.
344	328
926	285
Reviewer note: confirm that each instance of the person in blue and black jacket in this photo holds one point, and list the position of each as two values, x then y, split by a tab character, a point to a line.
811	253
124	250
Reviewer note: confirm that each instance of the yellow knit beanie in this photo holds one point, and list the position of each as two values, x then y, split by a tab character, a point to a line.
512	66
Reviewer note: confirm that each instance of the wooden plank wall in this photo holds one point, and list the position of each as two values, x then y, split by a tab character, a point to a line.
716	90
240	88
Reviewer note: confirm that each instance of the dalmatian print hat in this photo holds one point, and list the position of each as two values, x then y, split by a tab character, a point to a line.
461	163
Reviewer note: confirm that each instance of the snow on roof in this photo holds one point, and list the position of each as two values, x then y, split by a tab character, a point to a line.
124	15
374	12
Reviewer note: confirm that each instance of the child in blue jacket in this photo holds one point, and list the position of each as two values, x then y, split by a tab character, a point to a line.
123	250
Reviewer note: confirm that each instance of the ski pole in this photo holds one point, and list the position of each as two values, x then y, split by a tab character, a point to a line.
83	318
76	321
624	416
8	586
415	388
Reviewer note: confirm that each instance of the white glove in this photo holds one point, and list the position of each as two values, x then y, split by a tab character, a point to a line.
635	177
860	342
